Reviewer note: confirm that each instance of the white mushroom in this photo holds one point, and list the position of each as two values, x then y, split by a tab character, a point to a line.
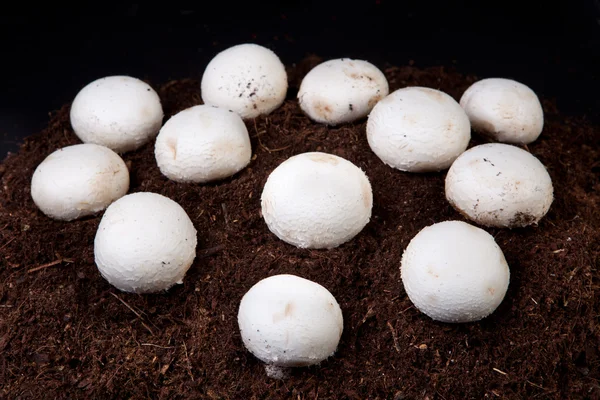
119	112
504	110
248	79
418	129
454	272
316	200
202	144
78	181
288	321
499	185
341	90
145	243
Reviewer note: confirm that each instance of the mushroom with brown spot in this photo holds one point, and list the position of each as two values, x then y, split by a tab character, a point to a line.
504	110
202	144
341	90
288	321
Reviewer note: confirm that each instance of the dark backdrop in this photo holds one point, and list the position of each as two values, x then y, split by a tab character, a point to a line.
49	53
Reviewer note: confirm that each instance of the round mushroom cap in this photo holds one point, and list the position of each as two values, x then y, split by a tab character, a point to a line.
499	185
119	112
316	200
78	181
504	110
145	243
418	129
248	79
288	321
202	144
454	272
341	90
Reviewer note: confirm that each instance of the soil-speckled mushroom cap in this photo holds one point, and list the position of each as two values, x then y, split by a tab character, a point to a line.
145	243
454	272
290	321
499	185
248	79
341	90
316	200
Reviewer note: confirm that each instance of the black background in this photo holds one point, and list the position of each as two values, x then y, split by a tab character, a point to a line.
49	52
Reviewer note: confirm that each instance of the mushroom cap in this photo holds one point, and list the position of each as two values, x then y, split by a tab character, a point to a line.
290	321
201	144
454	272
499	185
316	200
341	90
119	112
418	129
504	110
145	243
248	79
79	180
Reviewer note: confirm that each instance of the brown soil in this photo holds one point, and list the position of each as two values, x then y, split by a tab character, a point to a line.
66	333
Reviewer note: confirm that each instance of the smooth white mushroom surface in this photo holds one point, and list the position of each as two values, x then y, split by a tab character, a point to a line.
454	272
418	129
145	243
288	321
248	79
316	200
499	185
119	112
78	181
341	90
504	110
202	144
